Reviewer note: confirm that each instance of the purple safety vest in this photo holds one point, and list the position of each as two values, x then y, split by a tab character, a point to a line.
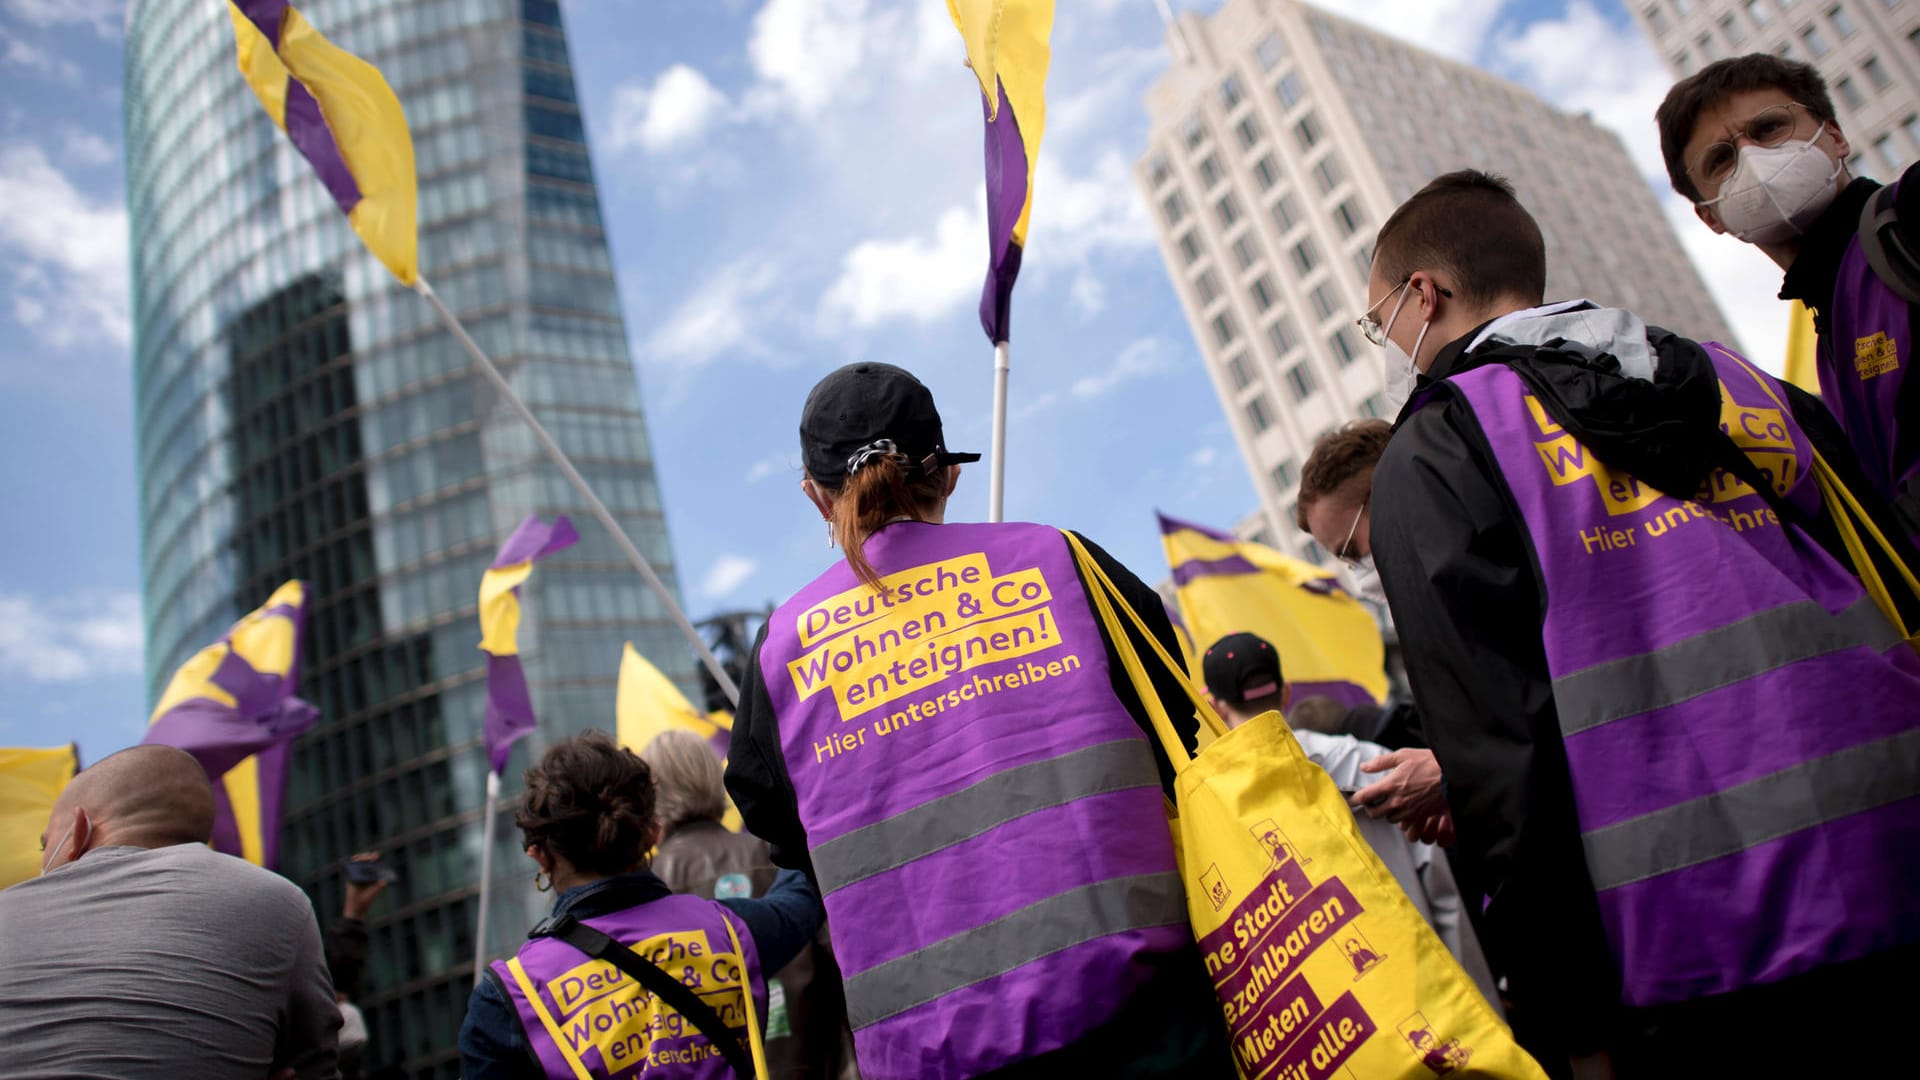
1863	360
1742	724
587	1018
984	816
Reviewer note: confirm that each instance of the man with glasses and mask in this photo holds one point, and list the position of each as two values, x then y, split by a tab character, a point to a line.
1754	142
1681	743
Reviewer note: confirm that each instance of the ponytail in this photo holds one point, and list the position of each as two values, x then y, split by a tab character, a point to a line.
881	490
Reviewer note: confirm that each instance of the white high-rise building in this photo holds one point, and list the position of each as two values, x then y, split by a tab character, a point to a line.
1867	50
1283	136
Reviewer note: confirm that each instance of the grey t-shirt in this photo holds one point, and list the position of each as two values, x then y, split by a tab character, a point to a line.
170	963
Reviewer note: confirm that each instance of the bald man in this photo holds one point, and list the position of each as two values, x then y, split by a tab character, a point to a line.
141	952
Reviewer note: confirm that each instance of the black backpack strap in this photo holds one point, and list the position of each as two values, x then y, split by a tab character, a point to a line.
661	985
1896	267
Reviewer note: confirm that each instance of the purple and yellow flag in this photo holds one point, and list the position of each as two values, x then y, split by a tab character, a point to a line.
649	705
509	716
1803	344
1328	642
1007	47
30	780
232	706
343	118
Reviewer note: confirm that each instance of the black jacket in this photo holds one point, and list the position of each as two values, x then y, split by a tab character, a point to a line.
1466	593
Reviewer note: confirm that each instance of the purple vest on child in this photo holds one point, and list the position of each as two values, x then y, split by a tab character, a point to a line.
1742	724
587	1017
984	816
1864	357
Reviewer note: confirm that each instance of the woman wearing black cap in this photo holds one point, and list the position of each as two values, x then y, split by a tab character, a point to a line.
937	730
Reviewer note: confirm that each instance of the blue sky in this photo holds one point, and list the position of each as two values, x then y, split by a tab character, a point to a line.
789	185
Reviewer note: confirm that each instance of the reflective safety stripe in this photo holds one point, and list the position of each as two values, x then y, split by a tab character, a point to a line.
971	811
1719	657
1035	931
1812	793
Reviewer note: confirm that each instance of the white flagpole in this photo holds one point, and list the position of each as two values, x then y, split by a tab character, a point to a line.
997	483
486	880
559	458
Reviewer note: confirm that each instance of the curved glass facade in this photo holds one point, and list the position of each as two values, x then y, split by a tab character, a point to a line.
302	415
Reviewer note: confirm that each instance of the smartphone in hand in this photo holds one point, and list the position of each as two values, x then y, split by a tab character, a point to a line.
369	871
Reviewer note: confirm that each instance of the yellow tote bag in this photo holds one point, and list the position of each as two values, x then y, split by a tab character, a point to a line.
1322	966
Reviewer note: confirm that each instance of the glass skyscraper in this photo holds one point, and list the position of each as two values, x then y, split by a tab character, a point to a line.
302	415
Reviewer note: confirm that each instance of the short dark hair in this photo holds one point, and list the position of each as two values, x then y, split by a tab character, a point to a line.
1470	224
1320	713
590	801
1720	80
1339	456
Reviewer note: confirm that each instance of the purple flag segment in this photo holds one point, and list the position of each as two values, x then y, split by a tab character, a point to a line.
301	115
509	709
1007	174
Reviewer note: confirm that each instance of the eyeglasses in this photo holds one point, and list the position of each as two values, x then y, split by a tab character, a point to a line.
1352	531
1372	328
1769	127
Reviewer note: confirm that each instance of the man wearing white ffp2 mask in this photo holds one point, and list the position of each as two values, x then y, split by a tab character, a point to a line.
1754	142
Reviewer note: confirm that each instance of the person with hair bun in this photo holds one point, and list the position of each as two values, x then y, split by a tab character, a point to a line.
570	1003
939	732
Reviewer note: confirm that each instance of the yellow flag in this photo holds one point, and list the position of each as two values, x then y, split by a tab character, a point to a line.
648	703
30	780
1328	642
1802	368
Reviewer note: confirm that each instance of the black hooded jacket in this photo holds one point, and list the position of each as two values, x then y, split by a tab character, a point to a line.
1467	596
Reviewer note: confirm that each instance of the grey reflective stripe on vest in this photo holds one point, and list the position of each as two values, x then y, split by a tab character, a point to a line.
1715	658
971	811
1906	505
1011	941
1765	808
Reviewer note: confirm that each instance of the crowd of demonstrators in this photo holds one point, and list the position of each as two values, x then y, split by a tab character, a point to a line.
587	822
806	1022
1244	679
142	952
1620	703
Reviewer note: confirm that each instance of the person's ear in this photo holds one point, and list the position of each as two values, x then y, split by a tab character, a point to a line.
821	500
540	858
1712	220
1427	291
953	480
1286	698
1841	148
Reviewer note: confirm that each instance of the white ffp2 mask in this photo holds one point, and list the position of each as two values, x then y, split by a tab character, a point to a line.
1775	192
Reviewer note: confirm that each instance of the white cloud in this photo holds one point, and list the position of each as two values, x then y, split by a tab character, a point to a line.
105	16
915	278
770	467
717	317
1087	294
680	106
21	54
67	250
1745	283
806	51
727	573
1077	216
70	638
1137	361
1454	29
84	148
1203	457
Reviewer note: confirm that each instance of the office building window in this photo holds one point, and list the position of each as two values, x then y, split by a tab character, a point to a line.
1758	12
1848	93
1270	52
1282	476
1190	247
1683	62
1731	30
1230	93
1225	330
1343	348
1305	256
1888	155
1210	173
1307	131
1842	22
1286	212
1363	263
1249	131
1709	49
1246	250
1373	407
1263	293
1876	73
1325	304
1785	51
1683	7
1266	172
1911	125
1259	414
1289	90
1816	41
1227	210
1173	207
1281	337
1157	171
1238	372
1328	174
1347	216
1657	19
1206	287
1193	132
1300	380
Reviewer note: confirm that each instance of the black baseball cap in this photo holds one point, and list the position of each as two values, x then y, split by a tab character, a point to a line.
860	405
1240	668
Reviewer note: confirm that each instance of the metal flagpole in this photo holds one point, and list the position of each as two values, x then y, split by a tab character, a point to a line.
997	483
486	879
559	458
